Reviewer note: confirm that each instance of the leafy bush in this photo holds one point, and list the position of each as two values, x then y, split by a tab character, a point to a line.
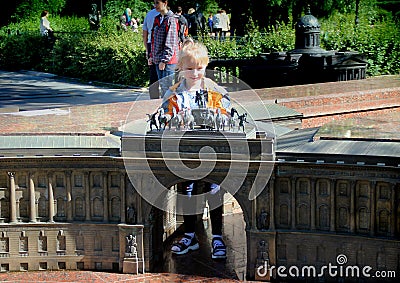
118	59
29	9
378	38
23	52
115	8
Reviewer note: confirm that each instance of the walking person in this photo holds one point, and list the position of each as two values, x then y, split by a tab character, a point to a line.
192	63
146	34
183	25
210	23
225	25
164	44
45	28
217	24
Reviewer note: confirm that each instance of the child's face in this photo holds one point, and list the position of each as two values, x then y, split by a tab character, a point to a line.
192	70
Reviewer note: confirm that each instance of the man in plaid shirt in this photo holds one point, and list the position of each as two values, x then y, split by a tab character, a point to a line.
164	44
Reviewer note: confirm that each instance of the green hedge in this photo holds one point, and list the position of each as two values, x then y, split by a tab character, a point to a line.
119	58
379	40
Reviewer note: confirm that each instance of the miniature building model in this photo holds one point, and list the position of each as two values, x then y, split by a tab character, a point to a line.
72	211
307	63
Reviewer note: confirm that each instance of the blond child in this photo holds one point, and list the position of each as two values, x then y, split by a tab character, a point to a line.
192	62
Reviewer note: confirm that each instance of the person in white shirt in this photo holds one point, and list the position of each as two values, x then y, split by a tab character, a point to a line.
217	24
146	34
225	25
45	28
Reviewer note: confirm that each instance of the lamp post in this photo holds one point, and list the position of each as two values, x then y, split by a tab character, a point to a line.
356	20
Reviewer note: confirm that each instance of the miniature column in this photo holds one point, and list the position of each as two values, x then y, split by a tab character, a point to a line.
393	206
105	197
293	202
272	206
32	199
253	223
68	175
373	212
122	194
87	196
312	200
332	199
51	197
13	206
352	207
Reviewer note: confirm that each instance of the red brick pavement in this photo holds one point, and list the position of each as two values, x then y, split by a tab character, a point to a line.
92	119
311	100
101	277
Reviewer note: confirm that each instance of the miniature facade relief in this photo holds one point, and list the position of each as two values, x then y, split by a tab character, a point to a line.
131	246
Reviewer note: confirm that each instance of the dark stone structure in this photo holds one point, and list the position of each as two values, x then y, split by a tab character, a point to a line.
307	63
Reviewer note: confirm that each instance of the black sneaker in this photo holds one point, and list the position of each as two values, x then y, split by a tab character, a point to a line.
218	250
185	244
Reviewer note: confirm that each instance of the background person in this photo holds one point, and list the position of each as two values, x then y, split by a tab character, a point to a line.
210	23
130	22
183	25
45	28
164	44
225	24
196	20
146	34
217	24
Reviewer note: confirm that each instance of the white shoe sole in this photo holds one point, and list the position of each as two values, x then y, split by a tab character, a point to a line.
218	256
190	248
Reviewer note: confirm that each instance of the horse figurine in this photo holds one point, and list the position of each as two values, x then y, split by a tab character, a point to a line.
176	120
205	98
152	120
199	99
210	120
242	120
162	119
188	119
232	119
220	120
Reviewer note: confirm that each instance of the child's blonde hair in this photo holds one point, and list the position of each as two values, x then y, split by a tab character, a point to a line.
193	49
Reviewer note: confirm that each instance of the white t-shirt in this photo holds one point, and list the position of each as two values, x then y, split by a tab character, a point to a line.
44	26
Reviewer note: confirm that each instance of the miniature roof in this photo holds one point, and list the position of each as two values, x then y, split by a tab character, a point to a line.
59	141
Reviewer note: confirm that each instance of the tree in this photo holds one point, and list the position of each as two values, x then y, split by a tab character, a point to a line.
391	5
33	8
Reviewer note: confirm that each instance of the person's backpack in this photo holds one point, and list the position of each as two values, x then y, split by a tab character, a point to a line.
183	29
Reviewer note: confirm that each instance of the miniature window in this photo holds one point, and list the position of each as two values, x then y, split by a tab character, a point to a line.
114	180
59	181
42	181
78	180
